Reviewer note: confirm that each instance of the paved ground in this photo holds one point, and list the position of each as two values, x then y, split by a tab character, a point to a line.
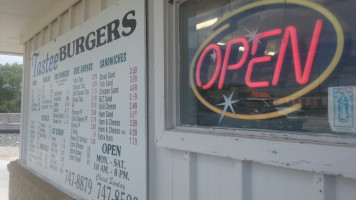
9	150
4	180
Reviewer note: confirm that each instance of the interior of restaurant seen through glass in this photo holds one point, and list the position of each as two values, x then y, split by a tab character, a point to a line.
268	65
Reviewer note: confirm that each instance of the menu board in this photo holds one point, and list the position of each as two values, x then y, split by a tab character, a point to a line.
87	116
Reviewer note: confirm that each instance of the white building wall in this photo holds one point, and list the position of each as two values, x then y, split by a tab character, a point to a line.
186	174
193	176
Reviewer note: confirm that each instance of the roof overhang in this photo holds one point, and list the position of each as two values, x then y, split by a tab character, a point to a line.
20	20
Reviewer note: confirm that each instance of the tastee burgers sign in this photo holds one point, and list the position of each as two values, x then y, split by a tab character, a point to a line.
211	55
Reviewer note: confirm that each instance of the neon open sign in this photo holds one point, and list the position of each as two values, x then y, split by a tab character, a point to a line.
289	35
250	60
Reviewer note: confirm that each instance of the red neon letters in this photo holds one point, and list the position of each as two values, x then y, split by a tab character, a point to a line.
290	34
217	68
227	55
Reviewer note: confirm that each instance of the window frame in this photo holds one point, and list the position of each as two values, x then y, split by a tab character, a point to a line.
317	152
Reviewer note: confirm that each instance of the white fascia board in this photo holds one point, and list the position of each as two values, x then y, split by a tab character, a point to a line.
42	21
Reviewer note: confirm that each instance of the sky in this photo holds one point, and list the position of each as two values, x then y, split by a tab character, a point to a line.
10	59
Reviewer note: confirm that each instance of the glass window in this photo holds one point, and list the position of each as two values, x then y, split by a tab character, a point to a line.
269	65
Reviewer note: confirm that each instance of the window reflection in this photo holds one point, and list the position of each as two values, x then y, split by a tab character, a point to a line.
246	68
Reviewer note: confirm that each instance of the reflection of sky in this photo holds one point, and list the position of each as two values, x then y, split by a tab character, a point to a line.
10	59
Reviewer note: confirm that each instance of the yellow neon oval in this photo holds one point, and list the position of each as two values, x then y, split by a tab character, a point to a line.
335	60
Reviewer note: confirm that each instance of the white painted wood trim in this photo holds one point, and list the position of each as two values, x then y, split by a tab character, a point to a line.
182	177
85	10
159	62
319	158
71	18
320	153
25	101
102	4
244	186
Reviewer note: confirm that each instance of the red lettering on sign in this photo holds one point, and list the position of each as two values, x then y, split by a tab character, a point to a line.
227	55
290	33
248	81
217	67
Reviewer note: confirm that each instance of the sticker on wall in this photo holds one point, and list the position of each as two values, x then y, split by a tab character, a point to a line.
341	109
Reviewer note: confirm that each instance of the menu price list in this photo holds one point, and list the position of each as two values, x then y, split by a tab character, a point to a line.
112	175
133	105
77	122
80	116
48	107
86	113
